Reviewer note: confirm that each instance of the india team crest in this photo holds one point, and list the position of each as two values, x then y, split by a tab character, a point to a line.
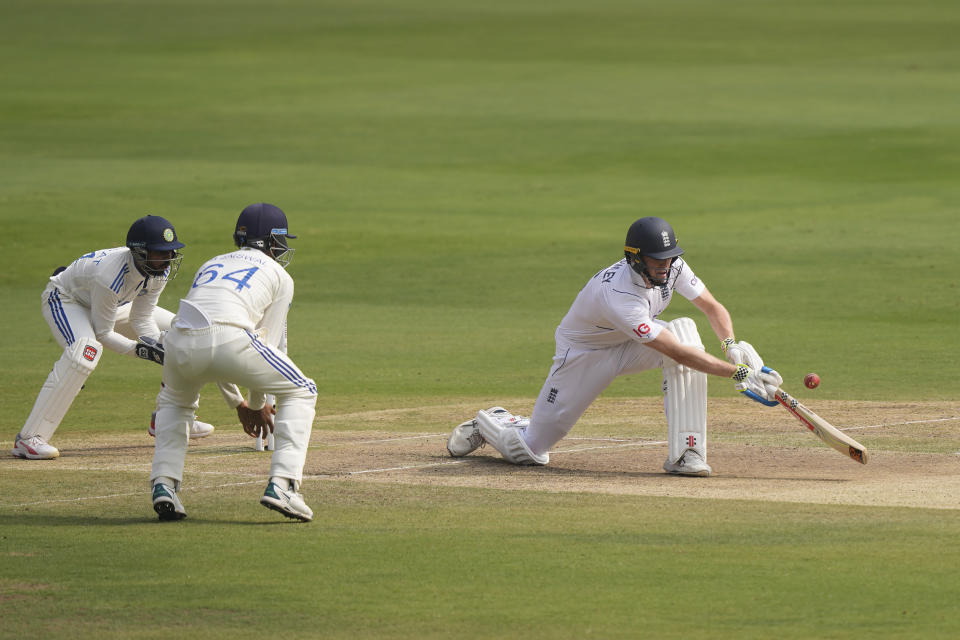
168	235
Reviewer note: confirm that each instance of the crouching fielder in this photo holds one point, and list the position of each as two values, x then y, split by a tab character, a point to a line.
103	299
230	328
612	330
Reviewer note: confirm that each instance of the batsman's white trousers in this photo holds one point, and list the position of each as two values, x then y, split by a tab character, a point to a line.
578	376
218	353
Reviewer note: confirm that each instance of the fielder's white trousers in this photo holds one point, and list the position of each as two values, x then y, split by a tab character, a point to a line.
218	353
578	376
70	322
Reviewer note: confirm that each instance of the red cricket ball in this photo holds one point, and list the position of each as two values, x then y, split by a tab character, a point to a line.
811	380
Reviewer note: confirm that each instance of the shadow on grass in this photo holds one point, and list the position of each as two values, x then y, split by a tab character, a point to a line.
65	520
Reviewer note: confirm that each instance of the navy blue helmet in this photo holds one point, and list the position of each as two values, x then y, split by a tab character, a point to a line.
263	226
157	235
652	237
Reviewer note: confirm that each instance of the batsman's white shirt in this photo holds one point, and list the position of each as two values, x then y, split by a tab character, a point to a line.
603	336
616	307
95	293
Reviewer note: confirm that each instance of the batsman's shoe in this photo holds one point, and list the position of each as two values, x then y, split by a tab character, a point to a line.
34	448
197	429
465	439
691	463
166	503
286	501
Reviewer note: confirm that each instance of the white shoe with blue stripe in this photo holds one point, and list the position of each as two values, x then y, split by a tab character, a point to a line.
286	501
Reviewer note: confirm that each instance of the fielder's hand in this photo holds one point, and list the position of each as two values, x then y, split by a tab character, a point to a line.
757	384
256	424
149	349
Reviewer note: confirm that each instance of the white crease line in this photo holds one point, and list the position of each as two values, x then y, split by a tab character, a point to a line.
379	412
414	466
321	446
341	444
612	446
897	424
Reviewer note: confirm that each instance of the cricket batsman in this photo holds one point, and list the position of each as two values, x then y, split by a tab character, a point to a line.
232	327
104	299
613	329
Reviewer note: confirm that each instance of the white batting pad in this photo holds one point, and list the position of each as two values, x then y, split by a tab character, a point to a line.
508	441
685	397
63	384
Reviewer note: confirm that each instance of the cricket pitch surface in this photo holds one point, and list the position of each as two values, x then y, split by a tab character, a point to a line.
618	447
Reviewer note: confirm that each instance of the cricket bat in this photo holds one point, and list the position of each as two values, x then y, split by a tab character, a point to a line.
821	428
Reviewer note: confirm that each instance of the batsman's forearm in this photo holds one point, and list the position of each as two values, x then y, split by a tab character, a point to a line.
702	361
721	322
716	313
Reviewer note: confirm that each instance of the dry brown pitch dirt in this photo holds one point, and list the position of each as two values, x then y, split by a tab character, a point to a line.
617	448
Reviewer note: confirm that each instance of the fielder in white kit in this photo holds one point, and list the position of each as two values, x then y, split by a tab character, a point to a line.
105	298
612	329
231	327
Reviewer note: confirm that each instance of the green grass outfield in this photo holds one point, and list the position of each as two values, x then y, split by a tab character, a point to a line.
455	172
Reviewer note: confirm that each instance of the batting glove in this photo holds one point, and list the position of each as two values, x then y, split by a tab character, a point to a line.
743	353
759	385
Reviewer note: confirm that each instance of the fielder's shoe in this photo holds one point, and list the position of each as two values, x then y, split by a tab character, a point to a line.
286	501
200	430
34	448
197	429
167	504
690	463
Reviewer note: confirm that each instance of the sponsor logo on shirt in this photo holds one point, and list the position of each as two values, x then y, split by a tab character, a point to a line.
642	329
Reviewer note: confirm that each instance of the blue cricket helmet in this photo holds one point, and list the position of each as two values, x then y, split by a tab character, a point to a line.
654	237
263	226
155	233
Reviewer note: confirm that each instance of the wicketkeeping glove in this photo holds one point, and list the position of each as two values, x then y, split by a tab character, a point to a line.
757	384
149	349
